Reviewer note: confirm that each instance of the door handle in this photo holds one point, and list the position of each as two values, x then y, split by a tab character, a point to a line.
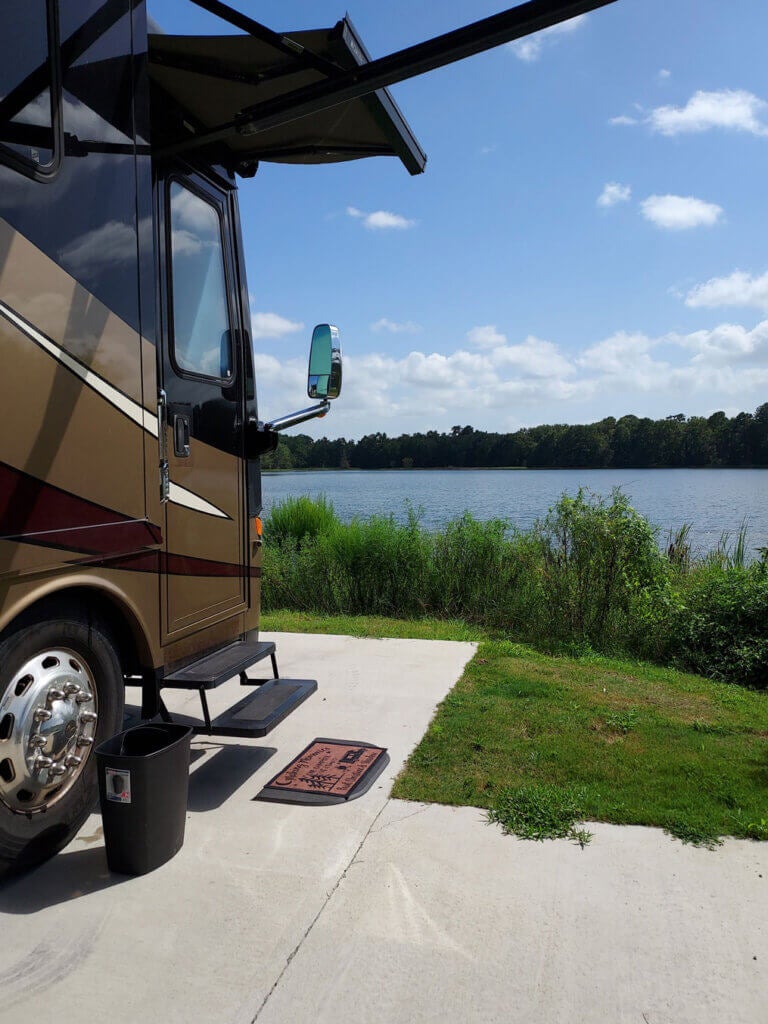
181	435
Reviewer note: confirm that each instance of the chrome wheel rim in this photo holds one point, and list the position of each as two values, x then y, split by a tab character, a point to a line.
48	717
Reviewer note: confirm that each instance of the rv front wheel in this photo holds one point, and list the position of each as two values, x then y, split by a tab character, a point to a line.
61	694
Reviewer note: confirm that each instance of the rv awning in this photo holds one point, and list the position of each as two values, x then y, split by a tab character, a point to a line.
210	80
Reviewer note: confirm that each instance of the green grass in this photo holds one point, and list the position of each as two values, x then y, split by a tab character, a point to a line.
370	625
544	742
637	744
541	811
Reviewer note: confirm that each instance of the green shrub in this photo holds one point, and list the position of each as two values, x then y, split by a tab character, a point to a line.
589	577
720	626
482	574
596	556
299	518
376	566
369	566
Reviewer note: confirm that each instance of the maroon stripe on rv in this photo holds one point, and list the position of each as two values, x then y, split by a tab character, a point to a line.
35	512
177	565
57	517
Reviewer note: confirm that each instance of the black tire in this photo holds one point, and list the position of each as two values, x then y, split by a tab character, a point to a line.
28	839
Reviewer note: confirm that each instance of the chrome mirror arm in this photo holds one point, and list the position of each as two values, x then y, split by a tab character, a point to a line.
283	422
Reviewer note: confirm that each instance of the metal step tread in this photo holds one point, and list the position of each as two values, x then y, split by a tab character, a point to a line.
259	712
221	665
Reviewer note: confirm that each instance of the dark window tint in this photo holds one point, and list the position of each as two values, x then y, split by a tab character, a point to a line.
201	337
26	92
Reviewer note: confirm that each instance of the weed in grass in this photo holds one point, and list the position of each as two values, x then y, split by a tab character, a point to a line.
694	833
712	729
537	812
623	721
758	829
582	836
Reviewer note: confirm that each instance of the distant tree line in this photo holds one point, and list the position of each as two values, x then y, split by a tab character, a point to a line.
630	442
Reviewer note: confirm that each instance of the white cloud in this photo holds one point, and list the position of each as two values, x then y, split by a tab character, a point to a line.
395	328
614	193
623	119
679	213
486	337
533	381
665	73
732	109
532	358
621	353
738	289
272	325
384	219
727	343
530	48
728	359
381	219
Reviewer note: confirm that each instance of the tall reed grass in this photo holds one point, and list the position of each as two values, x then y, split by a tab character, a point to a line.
589	576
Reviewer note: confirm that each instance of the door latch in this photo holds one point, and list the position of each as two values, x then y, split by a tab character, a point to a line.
181	435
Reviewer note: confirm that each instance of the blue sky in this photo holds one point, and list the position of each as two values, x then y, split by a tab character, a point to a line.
588	239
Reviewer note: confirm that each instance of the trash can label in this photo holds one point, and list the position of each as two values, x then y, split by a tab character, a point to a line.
118	786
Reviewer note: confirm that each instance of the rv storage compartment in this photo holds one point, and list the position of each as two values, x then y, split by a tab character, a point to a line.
143	786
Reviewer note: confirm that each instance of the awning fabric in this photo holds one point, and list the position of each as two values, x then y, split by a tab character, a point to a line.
211	79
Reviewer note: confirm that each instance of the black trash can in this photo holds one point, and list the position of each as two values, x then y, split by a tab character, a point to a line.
143	786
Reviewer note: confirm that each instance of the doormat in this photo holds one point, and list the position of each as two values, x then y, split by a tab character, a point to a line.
328	772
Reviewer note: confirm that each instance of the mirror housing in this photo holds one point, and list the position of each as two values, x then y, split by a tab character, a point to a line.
324	375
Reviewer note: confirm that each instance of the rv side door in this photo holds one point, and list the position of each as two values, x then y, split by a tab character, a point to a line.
203	374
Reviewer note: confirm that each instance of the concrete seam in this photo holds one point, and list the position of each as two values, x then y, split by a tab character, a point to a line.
399	821
318	915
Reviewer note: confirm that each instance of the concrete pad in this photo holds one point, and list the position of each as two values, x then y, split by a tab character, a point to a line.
441	918
208	935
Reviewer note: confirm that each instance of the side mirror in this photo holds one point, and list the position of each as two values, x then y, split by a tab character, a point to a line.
323	382
324	378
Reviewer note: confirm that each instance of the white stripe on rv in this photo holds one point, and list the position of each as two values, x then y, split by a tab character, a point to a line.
143	417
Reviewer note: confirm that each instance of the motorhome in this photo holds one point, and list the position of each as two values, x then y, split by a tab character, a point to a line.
130	491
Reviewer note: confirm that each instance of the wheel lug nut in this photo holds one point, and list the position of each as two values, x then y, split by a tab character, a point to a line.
41	762
88	716
71	689
82	697
54	694
36	742
57	770
72	761
41	714
84	741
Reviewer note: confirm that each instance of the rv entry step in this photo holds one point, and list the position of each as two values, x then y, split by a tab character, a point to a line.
216	668
258	713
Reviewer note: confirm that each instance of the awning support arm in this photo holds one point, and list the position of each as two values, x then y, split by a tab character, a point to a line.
397	67
277	40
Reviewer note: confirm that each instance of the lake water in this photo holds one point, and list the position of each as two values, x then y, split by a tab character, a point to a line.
712	500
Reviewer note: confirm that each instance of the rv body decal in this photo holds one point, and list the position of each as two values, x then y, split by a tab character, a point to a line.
37	513
144	418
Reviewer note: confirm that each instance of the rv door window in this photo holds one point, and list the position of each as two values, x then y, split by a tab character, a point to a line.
29	97
201	337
